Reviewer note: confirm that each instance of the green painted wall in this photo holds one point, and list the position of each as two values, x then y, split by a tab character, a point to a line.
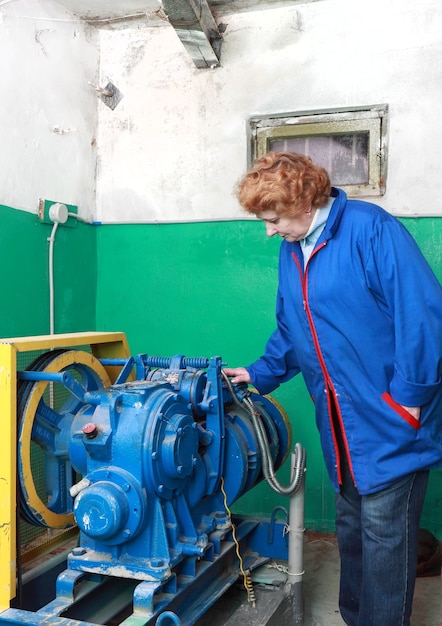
208	289
197	289
24	256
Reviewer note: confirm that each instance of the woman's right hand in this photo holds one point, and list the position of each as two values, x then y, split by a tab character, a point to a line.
237	374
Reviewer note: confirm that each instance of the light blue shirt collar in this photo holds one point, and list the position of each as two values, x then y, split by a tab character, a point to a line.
316	227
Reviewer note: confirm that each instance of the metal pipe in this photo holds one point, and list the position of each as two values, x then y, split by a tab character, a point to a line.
294	588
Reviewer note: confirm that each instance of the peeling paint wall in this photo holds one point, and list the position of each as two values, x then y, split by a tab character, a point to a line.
48	108
176	145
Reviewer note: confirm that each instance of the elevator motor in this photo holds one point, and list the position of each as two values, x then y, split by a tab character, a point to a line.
153	454
146	467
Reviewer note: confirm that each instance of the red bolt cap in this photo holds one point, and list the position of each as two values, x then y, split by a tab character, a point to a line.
90	429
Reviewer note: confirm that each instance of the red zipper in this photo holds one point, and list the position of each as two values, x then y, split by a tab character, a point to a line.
329	388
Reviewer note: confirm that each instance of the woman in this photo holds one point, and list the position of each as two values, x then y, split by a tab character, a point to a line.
359	314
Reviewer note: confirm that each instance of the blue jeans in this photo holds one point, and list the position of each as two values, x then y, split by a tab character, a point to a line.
378	541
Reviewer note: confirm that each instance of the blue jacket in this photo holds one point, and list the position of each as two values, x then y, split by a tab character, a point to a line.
363	323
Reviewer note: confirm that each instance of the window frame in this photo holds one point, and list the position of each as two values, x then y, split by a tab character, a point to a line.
372	119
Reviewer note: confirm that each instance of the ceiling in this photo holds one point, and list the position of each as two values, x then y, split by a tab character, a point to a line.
104	12
196	22
108	13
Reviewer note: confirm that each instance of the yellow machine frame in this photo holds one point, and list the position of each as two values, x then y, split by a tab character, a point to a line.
102	345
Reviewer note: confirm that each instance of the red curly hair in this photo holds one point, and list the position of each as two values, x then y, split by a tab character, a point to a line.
284	182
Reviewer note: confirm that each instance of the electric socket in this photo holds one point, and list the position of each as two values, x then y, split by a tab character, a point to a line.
43	212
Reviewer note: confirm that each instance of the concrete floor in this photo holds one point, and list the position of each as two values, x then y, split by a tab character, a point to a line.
321	587
320	591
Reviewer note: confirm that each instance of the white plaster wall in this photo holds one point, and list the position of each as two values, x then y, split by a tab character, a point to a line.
48	110
175	146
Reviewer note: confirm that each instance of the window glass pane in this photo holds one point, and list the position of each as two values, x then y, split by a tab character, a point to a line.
344	156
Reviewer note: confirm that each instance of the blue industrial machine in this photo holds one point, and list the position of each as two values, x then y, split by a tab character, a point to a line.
147	468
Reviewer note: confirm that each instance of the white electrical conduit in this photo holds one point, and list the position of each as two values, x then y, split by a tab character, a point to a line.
51	240
59	214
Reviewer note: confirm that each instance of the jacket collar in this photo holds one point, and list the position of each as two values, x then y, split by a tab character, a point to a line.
330	228
335	215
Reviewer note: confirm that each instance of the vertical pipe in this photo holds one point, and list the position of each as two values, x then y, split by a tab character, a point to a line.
51	240
295	574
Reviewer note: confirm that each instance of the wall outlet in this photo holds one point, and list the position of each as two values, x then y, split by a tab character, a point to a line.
43	212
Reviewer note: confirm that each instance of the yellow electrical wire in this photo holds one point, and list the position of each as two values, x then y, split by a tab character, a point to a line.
247	581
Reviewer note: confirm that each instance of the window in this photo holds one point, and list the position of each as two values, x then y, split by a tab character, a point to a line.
349	144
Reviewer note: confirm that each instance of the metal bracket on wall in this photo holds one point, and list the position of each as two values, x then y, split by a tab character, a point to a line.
196	27
110	95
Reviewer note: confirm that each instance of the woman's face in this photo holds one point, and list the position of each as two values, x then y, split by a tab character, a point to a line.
289	228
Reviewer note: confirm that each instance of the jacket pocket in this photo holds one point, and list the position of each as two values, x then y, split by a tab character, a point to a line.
405	415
